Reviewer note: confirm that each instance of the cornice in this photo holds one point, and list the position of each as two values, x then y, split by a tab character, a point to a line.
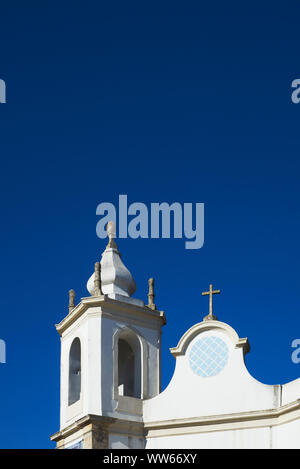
109	304
110	423
209	325
211	423
259	418
80	424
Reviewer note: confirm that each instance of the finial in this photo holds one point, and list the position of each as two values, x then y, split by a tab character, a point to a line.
115	278
211	292
151	294
111	232
71	300
97	280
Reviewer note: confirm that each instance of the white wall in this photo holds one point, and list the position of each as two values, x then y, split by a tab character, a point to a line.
291	391
257	438
287	436
232	390
88	330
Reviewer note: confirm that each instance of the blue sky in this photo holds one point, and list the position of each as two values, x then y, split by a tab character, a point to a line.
165	102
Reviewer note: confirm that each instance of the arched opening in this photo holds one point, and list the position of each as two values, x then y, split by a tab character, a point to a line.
129	366
74	371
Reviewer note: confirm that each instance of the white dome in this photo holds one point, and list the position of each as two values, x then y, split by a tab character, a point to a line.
115	277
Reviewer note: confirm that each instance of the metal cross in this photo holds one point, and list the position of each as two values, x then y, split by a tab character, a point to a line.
211	292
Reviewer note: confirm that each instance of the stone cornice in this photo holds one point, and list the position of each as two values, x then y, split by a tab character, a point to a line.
114	424
211	423
81	423
106	303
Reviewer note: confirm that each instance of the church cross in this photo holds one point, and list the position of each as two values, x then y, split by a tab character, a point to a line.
211	292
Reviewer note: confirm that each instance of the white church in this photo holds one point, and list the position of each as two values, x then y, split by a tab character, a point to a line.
110	377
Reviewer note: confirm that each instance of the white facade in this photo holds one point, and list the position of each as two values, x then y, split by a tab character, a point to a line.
220	405
110	379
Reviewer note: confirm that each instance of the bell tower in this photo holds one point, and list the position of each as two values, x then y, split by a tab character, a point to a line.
110	359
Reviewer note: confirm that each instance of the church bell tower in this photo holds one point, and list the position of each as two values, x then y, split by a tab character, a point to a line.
110	359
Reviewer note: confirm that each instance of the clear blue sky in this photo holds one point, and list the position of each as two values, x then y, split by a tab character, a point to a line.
163	101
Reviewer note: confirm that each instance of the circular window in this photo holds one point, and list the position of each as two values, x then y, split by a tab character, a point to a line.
208	356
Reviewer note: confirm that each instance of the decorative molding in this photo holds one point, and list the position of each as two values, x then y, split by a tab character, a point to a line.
95	430
213	423
81	424
237	421
206	325
104	302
